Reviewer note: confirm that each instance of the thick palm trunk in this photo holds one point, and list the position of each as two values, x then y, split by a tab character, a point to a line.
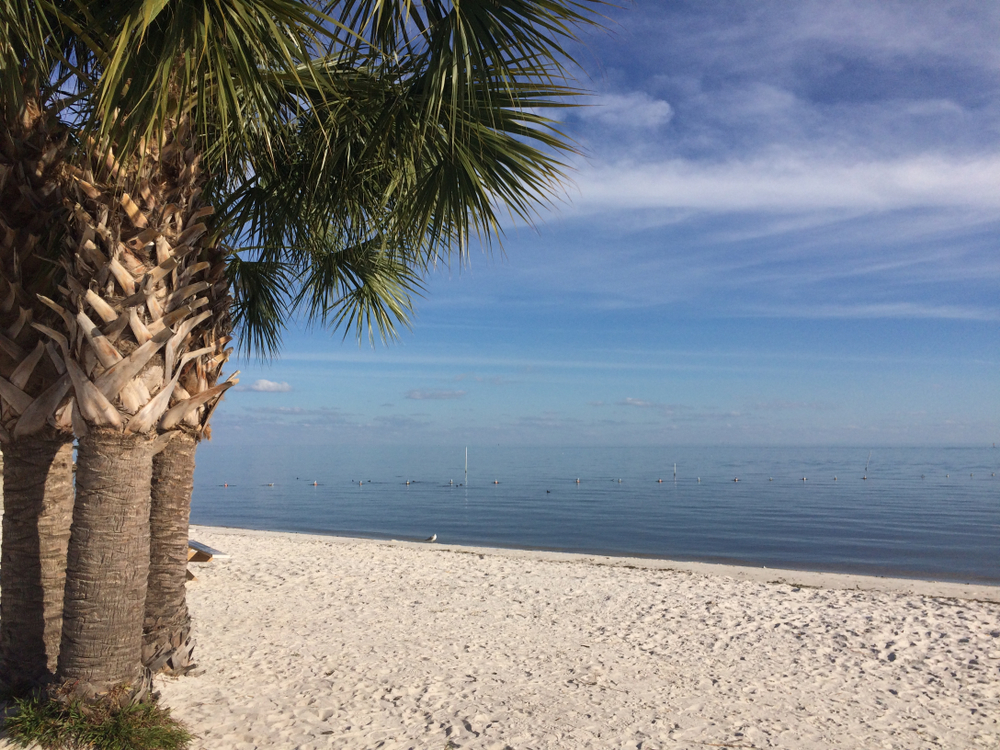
107	568
137	338
38	509
167	642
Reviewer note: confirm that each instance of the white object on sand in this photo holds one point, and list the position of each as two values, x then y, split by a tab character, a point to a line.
198	552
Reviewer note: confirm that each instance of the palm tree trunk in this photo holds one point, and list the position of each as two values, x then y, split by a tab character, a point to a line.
167	642
38	510
100	656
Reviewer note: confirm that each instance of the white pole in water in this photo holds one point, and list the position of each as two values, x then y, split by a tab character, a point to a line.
675	472
466	466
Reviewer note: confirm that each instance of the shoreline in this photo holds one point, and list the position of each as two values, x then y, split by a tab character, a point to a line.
307	641
759	574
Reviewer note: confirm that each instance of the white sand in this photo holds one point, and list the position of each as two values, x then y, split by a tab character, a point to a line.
324	642
309	642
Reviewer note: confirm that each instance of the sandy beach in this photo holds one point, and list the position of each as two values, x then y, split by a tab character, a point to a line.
316	642
326	642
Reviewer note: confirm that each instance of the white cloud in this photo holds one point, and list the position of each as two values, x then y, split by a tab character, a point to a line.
789	183
636	109
270	386
873	311
641	404
419	395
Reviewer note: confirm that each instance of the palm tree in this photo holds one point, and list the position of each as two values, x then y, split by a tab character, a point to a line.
304	135
368	287
38	486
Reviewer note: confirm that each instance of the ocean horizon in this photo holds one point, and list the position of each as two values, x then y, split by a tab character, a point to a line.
921	512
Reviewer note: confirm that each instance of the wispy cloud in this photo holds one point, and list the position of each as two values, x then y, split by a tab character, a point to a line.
634	110
875	311
423	395
492	380
665	409
778	405
791	182
265	386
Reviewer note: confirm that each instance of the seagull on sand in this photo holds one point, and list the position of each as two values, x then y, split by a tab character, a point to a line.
431	538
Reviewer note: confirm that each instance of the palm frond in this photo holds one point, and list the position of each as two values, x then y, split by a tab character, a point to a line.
360	286
261	290
347	144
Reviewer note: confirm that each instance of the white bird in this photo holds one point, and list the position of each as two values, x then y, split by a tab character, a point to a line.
431	538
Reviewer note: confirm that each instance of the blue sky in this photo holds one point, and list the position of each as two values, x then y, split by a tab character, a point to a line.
784	230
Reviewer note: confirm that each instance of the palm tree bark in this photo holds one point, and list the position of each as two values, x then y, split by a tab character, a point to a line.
107	569
167	642
38	510
139	333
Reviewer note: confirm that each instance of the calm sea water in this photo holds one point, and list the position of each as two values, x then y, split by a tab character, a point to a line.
921	512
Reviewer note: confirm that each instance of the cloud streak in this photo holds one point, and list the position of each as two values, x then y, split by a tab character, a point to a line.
792	183
426	395
265	386
631	111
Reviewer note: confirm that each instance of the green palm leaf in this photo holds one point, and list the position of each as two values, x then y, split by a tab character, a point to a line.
362	134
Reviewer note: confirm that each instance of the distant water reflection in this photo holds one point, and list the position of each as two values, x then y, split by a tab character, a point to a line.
921	512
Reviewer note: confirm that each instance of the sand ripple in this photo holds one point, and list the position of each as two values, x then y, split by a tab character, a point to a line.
309	642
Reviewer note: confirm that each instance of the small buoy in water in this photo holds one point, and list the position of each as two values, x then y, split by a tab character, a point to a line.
659	481
736	479
271	484
496	481
803	479
699	480
315	483
578	480
360	483
770	479
865	477
547	491
946	476
451	481
226	484
619	481
835	479
407	481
